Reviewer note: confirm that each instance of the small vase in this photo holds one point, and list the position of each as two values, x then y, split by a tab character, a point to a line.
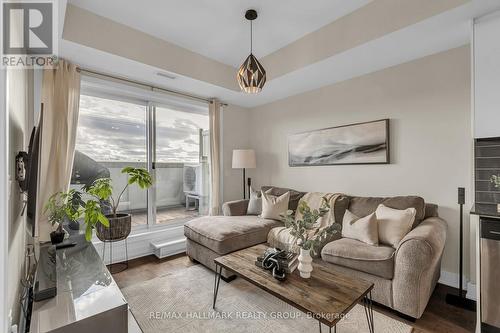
305	268
498	208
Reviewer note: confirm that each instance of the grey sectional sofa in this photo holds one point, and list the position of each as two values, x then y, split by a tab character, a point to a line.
404	276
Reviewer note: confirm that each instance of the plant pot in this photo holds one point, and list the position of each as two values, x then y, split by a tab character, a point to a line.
56	237
119	228
73	225
305	267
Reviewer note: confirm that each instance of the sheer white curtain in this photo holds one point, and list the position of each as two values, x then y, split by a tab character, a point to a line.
60	99
214	111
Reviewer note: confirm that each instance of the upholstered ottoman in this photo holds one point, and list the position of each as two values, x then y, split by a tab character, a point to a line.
209	237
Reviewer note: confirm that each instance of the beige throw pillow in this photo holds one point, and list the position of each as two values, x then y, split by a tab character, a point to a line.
364	229
394	224
273	206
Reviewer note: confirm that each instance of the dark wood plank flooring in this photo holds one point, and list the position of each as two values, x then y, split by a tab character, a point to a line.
438	317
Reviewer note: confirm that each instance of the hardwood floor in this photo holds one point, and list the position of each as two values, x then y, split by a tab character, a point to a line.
438	317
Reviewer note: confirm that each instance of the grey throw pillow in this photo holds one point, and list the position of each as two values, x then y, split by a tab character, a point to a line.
255	203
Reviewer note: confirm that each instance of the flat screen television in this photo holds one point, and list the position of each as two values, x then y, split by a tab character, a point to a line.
33	170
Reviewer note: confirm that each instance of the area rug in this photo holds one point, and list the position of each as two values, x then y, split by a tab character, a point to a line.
182	302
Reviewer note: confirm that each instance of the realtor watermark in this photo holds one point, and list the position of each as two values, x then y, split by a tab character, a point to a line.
244	315
29	34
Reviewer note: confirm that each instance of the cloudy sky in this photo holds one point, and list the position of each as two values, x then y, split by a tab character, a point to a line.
111	130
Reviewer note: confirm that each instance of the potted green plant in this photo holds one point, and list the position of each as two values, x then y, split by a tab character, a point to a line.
101	191
56	210
495	179
69	206
307	235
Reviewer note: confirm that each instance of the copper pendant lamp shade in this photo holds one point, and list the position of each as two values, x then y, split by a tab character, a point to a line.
251	75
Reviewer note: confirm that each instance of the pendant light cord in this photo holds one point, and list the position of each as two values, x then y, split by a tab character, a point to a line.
251	37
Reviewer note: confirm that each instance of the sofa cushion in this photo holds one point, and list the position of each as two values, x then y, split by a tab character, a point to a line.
277	191
281	238
362	206
376	260
224	234
364	229
394	224
273	207
338	205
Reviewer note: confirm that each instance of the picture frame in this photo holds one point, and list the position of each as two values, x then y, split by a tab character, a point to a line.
357	143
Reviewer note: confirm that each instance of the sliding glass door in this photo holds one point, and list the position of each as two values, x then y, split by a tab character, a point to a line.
180	166
170	140
111	135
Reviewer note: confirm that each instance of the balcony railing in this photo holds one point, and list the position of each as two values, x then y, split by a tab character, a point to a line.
167	188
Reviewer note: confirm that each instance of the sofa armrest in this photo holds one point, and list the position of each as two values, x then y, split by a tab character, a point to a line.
235	208
418	265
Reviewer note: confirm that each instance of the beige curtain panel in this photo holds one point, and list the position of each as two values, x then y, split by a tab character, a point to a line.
60	99
214	111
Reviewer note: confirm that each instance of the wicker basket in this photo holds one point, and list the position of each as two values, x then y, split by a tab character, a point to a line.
119	228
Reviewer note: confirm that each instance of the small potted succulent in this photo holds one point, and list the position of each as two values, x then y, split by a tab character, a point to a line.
495	179
69	206
307	235
101	192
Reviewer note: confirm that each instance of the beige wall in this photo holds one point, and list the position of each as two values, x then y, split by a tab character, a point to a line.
428	102
19	106
235	135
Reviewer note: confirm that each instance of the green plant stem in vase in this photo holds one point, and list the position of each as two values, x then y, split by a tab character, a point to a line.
495	179
307	235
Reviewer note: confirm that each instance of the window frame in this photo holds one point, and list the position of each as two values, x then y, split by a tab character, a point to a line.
151	100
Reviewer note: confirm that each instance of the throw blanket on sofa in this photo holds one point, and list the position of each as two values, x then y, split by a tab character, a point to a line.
280	237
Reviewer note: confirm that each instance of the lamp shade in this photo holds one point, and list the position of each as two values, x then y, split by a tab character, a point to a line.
244	159
251	75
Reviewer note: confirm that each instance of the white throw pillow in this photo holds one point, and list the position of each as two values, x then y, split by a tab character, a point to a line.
364	229
394	224
255	203
273	206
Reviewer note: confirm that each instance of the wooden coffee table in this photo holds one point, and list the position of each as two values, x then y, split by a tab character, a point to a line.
327	296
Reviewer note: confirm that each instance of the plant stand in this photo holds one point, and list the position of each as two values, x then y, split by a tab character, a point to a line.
118	230
118	267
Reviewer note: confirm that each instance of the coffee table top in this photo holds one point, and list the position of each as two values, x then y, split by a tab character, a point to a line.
327	295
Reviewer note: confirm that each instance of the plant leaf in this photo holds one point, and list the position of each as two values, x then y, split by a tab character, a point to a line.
88	233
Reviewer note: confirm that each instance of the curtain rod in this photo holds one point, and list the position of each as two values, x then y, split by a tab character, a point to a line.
150	86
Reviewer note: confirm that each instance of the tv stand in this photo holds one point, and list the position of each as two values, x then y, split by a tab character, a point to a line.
45	285
87	300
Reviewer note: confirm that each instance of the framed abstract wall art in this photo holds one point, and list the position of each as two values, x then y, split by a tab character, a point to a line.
361	143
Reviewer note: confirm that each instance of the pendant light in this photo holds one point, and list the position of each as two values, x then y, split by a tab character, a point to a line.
251	75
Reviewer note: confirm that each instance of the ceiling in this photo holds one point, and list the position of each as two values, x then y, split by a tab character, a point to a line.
214	28
217	28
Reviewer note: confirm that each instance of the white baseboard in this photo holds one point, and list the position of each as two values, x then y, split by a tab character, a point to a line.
451	279
139	245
